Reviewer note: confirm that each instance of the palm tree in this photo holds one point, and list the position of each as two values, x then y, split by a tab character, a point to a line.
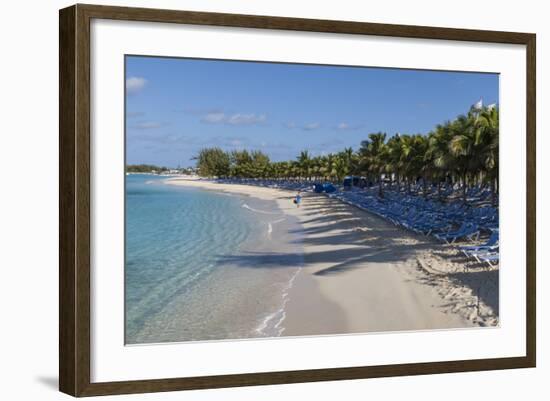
323	168
487	125
412	159
393	158
304	162
407	154
286	170
317	167
350	158
468	145
331	166
464	151
461	147
295	170
438	153
373	157
419	165
340	167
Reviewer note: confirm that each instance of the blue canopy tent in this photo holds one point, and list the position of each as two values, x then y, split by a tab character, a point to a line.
348	182
318	188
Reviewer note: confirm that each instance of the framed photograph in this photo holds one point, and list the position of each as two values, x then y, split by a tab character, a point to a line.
249	200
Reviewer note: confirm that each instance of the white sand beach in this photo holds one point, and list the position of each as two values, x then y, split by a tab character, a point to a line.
363	274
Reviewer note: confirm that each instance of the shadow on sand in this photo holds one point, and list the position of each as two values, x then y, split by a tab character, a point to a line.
378	242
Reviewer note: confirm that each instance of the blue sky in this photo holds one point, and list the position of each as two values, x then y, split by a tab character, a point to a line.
175	107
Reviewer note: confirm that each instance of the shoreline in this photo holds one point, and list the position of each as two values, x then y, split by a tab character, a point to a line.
361	274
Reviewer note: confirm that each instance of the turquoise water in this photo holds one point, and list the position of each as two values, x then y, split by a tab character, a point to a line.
202	265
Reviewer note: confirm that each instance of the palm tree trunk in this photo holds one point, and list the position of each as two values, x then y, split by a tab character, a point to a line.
398	183
493	192
424	186
464	187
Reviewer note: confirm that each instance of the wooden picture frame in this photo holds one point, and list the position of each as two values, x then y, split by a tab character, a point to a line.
74	203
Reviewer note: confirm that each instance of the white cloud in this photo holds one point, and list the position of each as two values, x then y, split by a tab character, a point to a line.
213	118
306	127
228	142
220	117
290	125
311	126
246	119
135	84
148	125
343	126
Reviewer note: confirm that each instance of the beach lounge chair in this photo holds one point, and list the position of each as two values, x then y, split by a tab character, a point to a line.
431	225
491	258
491	243
466	230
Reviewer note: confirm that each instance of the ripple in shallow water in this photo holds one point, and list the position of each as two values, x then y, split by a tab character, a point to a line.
200	266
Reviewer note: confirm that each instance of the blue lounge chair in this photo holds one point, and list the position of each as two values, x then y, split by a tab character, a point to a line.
487	257
491	243
466	230
432	225
491	258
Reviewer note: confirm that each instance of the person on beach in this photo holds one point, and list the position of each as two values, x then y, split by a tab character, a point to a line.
298	199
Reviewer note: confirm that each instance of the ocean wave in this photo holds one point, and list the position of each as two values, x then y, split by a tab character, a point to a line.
270	226
258	211
272	324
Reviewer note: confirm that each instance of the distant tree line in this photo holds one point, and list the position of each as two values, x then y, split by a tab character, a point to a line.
463	151
144	168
